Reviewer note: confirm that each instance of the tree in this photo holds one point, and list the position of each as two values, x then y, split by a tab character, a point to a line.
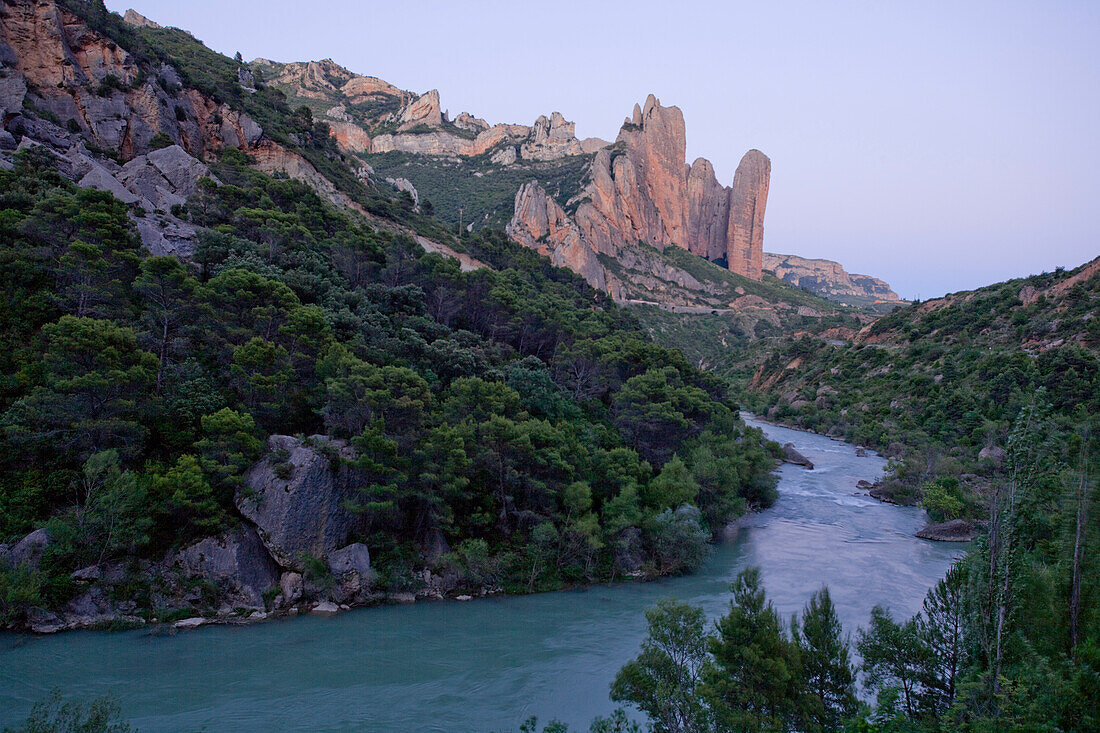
109	518
679	540
751	683
894	656
674	486
189	499
941	626
93	378
57	715
826	668
167	289
230	446
662	680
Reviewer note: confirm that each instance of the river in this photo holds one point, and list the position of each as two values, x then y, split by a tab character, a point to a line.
486	665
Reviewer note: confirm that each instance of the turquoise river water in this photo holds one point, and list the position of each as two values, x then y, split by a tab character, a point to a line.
487	665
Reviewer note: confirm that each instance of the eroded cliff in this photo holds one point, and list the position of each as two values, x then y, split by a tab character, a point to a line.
641	190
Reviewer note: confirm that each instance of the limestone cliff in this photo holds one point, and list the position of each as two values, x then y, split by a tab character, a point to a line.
830	280
641	190
368	115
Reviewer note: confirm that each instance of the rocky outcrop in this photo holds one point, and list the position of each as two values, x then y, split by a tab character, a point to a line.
296	497
28	551
542	225
423	111
748	200
236	562
137	20
828	279
641	190
551	139
957	530
95	87
350	137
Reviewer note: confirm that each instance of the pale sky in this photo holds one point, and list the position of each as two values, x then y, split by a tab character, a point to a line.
937	145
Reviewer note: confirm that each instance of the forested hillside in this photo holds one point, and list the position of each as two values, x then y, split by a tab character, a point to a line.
512	413
939	383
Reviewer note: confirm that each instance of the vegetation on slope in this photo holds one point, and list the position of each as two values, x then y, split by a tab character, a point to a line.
939	382
475	190
512	412
1008	640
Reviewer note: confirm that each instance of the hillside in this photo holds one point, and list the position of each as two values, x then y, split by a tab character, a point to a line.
830	280
305	403
940	382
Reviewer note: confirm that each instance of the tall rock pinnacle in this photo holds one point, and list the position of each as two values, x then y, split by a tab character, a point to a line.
748	200
642	190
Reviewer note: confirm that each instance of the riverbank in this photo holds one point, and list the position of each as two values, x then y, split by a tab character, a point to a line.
488	665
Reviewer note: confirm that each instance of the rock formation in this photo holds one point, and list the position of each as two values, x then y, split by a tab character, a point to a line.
297	502
235	561
745	243
828	279
541	224
641	190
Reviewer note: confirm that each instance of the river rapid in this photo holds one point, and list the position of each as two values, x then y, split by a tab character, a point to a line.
487	665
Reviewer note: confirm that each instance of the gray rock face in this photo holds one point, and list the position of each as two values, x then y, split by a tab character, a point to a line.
355	558
163	234
291	586
29	550
304	513
351	567
163	177
236	561
790	455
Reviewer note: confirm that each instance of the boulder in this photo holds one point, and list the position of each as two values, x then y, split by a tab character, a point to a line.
303	513
29	550
86	575
957	530
325	608
236	561
41	621
790	455
351	567
93	608
993	453
189	623
290	587
355	558
861	452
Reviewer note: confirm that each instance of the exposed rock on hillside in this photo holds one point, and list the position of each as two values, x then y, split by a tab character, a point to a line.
641	190
749	198
830	280
236	561
136	19
541	224
372	116
424	111
296	498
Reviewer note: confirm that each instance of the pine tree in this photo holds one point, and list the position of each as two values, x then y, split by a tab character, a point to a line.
751	684
826	667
